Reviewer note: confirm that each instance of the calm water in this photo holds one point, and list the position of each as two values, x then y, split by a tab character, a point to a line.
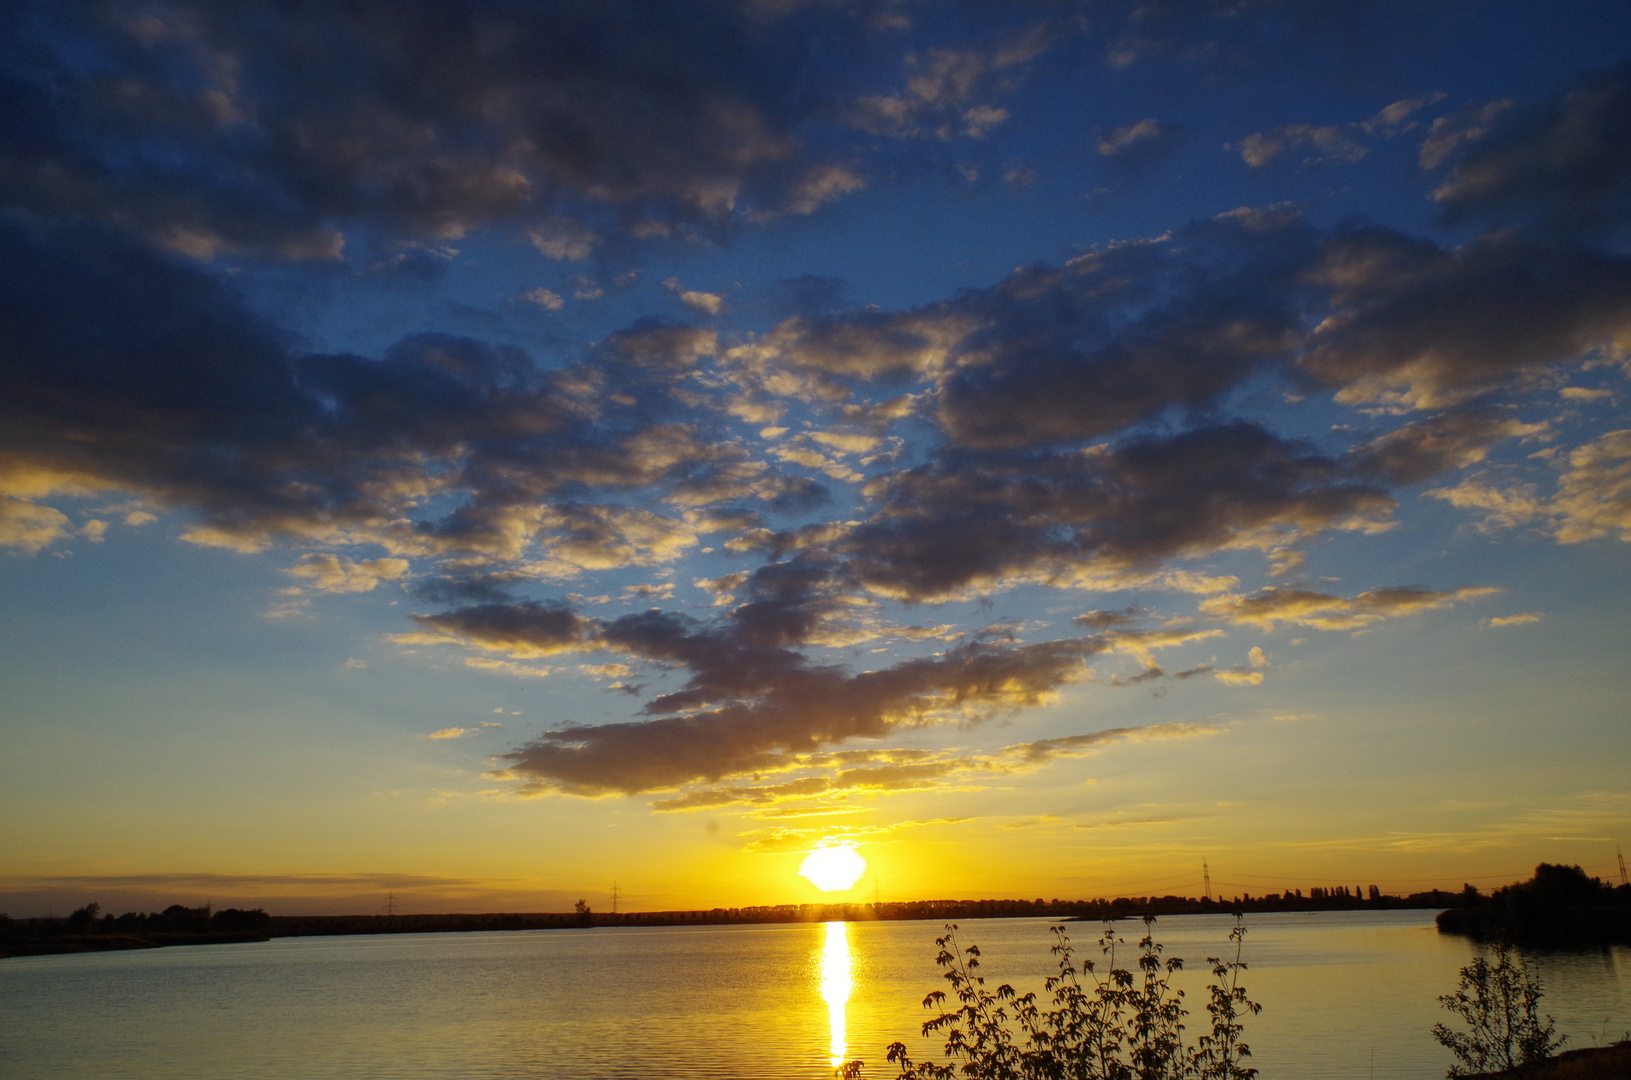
1344	994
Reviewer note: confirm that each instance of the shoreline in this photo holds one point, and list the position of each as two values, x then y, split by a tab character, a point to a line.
44	942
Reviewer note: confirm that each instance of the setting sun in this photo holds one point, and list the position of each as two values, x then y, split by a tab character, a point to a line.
834	868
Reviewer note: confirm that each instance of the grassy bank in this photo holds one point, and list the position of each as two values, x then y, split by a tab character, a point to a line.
1593	1063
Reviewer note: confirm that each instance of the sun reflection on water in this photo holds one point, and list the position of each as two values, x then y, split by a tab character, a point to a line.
836	984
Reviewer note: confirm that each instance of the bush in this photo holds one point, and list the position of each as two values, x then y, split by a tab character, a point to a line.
238	920
1500	1004
1121	1025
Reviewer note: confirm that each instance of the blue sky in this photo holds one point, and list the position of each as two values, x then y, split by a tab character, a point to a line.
484	451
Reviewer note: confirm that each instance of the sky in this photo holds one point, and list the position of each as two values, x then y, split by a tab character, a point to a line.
469	454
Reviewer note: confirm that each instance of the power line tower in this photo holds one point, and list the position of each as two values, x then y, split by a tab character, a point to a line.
1623	879
390	905
1206	879
614	898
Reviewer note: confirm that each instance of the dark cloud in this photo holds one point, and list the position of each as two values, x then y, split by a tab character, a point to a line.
128	371
1105	620
1149	674
754	701
1419	326
525	629
1450	440
1104	513
1166	330
1057	354
872	344
272	127
493	588
804	709
1565	164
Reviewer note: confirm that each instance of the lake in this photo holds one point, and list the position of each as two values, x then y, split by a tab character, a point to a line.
1344	994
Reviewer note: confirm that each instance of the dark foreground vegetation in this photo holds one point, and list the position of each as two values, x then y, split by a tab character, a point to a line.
1101	1021
1560	907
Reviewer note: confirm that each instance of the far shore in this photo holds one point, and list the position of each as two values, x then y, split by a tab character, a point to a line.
178	925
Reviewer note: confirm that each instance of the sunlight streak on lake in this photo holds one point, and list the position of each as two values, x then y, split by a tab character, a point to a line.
836	985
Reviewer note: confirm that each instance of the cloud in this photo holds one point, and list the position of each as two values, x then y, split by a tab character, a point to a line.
1105	620
1592	498
564	238
911	772
1141	645
780	840
27	526
521	630
1522	619
1450	440
869	344
576	536
1043	751
1450	134
1416	326
1330	144
1167	328
332	574
1565	163
705	302
1069	426
1304	607
1100	515
815	188
507	667
752	708
1141	143
136	374
943	87
1594	494
1122	335
285	124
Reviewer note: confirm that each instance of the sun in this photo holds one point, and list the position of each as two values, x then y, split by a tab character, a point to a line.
833	868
